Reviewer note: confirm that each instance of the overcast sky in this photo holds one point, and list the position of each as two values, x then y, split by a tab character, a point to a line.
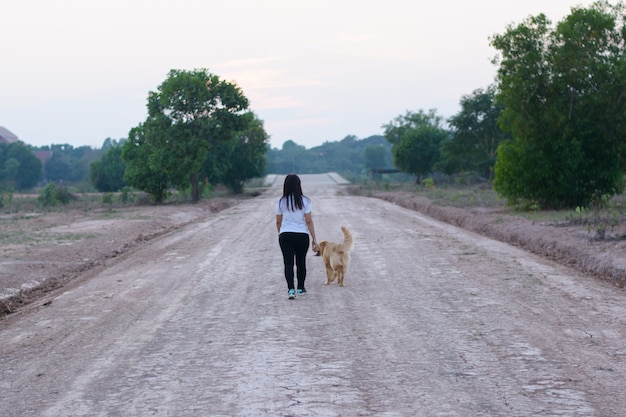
78	72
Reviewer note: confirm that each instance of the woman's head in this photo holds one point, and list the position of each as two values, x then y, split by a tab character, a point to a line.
292	191
292	185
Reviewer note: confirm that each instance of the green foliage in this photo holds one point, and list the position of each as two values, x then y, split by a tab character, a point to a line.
513	180
207	190
51	195
142	170
19	167
107	173
192	120
6	195
375	156
292	158
107	198
602	217
561	89
245	155
127	195
346	157
69	164
475	136
429	183
416	140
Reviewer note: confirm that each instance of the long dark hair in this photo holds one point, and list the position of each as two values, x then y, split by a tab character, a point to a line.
292	192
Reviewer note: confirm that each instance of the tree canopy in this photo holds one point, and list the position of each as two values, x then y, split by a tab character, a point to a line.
244	155
142	171
19	167
69	163
348	156
475	136
563	93
416	138
193	120
107	173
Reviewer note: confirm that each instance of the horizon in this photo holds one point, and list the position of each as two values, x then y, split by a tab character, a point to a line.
100	147
80	73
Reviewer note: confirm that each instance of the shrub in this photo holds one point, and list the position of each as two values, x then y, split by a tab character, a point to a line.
127	195
51	195
6	195
107	198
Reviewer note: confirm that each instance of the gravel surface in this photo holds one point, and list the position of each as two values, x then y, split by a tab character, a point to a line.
194	320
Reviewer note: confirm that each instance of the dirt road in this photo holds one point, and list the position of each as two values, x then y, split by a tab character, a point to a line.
433	321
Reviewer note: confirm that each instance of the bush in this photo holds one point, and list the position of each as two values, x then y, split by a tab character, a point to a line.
107	198
6	195
51	195
127	195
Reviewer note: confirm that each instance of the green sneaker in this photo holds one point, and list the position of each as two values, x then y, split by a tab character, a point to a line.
292	294
301	291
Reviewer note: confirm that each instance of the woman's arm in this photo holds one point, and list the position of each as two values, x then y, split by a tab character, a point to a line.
279	221
308	218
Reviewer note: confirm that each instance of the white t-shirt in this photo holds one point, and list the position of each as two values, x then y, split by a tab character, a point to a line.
293	221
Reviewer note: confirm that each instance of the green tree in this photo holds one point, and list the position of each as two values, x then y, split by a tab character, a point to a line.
110	142
375	156
107	173
142	171
6	194
193	110
475	135
19	167
69	164
293	156
416	138
562	90
59	168
246	155
346	157
51	195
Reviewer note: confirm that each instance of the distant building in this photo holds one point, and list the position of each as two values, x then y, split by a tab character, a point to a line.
6	136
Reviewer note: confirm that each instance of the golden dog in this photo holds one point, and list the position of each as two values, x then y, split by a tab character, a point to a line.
336	257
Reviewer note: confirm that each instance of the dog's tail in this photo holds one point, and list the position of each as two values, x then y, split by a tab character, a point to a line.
348	241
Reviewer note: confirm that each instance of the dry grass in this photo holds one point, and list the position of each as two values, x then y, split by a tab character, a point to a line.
611	217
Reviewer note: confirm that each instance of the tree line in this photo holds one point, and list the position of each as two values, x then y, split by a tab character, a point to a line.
550	132
552	129
199	132
351	156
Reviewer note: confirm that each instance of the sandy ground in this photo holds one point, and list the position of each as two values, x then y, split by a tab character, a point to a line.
43	251
182	311
568	244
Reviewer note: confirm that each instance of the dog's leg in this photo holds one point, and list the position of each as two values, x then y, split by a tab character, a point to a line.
340	276
344	269
330	274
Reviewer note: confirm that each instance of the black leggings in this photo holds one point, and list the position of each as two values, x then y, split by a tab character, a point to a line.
294	245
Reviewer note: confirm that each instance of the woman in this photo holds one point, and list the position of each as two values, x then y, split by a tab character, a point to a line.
294	223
